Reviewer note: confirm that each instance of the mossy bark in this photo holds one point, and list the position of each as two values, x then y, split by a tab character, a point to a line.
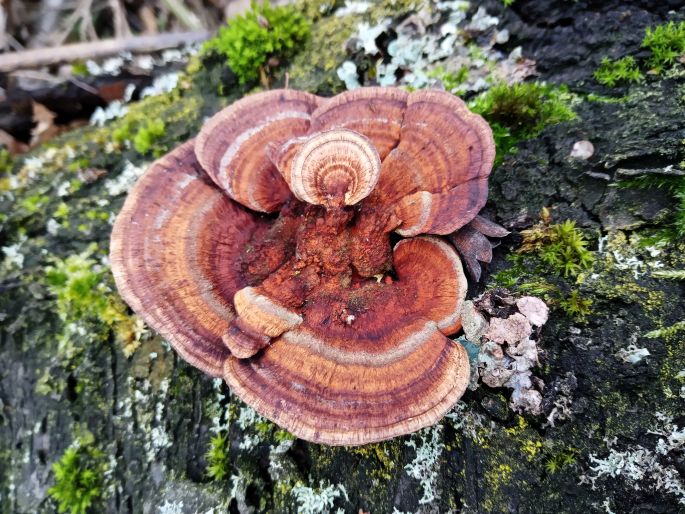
66	380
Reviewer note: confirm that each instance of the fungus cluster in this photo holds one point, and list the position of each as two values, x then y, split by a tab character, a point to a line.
293	248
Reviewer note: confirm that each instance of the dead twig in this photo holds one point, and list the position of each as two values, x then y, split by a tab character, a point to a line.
187	17
97	49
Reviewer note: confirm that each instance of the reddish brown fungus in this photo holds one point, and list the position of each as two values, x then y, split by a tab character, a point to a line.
311	315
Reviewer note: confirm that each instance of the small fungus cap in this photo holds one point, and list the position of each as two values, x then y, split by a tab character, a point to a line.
309	314
335	167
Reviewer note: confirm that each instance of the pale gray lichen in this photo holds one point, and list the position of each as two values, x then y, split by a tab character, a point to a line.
425	467
318	500
641	467
348	74
238	492
171	508
436	45
14	258
123	182
115	109
162	84
353	7
632	354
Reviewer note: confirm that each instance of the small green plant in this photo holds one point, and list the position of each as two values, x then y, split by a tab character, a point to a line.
560	461
257	41
79	479
562	246
575	305
451	80
666	43
611	72
147	137
520	111
218	464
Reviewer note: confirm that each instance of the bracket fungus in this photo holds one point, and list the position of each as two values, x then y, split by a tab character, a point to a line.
294	248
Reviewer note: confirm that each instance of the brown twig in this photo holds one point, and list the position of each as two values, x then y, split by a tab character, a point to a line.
96	49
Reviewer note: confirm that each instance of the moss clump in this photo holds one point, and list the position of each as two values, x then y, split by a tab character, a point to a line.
611	72
218	463
451	80
257	41
79	479
84	295
145	135
520	111
5	168
562	246
575	305
549	255
666	43
561	460
148	135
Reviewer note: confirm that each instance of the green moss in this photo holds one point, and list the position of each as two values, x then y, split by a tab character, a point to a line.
314	70
666	43
667	332
6	163
562	246
79	479
624	69
84	294
257	41
575	305
561	460
148	135
154	125
80	69
144	134
593	97
34	203
380	457
669	274
218	463
450	79
521	111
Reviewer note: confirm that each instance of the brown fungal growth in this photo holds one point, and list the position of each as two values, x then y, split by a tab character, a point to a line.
312	315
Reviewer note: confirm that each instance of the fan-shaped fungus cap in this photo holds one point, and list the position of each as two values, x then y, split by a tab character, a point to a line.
175	260
334	168
380	368
310	315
